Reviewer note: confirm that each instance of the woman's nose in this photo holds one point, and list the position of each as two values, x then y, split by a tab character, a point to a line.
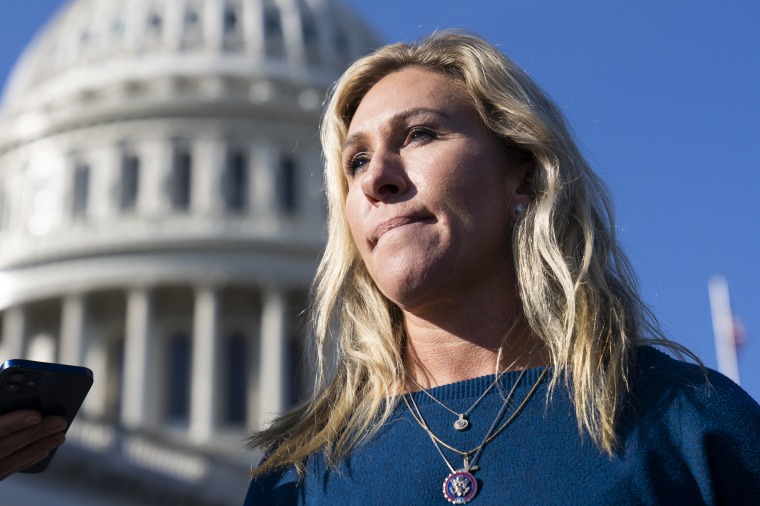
385	178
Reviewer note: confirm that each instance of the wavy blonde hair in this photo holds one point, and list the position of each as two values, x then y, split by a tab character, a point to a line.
579	294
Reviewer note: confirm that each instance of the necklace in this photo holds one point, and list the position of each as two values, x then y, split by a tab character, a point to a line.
460	486
461	422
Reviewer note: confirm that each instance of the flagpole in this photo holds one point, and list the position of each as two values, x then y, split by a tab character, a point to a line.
723	327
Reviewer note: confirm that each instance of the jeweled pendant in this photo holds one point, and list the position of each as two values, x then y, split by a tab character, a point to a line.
461	423
460	487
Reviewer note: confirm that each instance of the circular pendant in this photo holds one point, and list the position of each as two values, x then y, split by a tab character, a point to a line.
461	423
460	487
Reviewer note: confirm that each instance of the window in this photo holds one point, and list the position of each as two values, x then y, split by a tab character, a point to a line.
178	384
273	37
5	209
230	20
233	32
81	190
155	22
341	42
235	181
130	182
193	32
308	29
236	383
309	34
286	185
181	180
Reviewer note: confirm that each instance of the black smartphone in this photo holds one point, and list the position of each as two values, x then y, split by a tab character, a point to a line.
50	389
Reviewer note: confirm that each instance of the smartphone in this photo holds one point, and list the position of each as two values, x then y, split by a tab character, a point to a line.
50	389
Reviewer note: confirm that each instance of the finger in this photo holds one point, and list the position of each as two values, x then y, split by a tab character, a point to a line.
18	420
19	439
30	455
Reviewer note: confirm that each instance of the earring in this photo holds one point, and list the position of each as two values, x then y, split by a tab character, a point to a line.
519	209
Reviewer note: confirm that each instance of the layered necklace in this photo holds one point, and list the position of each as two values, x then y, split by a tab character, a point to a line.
460	486
461	422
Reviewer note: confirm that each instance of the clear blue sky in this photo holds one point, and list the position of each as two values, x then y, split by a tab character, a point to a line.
664	99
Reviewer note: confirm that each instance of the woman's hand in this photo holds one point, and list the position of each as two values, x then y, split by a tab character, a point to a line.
26	438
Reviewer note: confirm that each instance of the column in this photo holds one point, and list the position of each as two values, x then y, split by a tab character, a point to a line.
72	329
208	198
96	358
105	165
205	388
310	190
138	371
14	332
253	28
264	166
153	195
272	356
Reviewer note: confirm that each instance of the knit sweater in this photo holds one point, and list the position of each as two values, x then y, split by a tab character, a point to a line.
686	438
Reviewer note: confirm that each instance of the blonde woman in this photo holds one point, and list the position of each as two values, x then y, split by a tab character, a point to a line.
478	330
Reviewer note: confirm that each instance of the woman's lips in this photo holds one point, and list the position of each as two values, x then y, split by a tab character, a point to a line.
392	223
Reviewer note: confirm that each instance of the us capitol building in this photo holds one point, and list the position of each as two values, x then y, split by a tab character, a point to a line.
160	222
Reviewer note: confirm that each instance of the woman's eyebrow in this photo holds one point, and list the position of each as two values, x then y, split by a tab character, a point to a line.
394	121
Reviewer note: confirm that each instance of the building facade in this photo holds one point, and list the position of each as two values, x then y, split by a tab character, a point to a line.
160	221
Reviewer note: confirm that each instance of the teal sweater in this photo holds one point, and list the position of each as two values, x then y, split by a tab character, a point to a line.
685	440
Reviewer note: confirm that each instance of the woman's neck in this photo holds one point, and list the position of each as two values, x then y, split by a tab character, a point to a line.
459	344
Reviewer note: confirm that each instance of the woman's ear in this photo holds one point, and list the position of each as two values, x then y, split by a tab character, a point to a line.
525	172
522	183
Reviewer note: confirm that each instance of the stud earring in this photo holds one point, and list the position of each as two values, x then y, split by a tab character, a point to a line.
519	209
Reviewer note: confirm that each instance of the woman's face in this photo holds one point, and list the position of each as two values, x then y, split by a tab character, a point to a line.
431	194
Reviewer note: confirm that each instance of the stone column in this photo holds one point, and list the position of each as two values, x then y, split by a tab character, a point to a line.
253	21
205	394
138	368
265	163
104	182
72	329
14	333
207	196
272	356
153	195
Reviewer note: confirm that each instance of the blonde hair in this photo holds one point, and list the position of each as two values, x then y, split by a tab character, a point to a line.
578	292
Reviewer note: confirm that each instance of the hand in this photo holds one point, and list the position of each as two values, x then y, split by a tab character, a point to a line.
26	438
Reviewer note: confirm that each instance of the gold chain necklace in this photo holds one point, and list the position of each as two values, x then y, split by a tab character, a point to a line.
460	486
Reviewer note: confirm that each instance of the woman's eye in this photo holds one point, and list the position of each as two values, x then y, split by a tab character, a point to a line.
417	134
356	162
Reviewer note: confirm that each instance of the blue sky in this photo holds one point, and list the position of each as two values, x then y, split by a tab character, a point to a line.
663	96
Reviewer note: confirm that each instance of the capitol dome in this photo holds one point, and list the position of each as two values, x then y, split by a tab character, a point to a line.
160	221
96	53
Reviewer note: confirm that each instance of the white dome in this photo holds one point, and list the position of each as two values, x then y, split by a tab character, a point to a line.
228	51
156	125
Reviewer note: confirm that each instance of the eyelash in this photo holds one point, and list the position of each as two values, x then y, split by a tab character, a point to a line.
355	162
360	159
429	134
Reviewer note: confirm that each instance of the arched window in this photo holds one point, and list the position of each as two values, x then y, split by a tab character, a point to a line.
273	36
5	206
309	33
81	190
235	358
287	185
179	353
233	28
181	179
130	182
235	181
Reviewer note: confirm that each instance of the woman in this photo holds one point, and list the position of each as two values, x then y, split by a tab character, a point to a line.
26	438
478	331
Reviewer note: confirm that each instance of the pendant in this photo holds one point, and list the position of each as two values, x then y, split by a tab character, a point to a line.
461	423
460	487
